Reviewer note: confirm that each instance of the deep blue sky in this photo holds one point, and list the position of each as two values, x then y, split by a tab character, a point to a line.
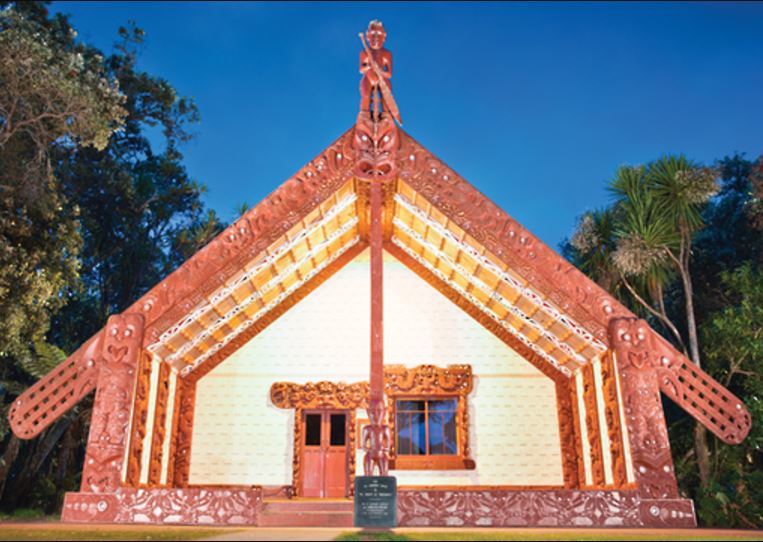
536	104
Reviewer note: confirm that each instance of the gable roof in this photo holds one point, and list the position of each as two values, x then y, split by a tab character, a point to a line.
438	224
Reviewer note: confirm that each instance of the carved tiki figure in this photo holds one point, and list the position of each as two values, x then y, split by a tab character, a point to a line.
371	82
376	440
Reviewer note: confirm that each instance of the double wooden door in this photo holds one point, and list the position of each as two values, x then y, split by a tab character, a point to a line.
325	453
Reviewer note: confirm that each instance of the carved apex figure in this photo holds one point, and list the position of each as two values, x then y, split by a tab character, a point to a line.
375	135
375	53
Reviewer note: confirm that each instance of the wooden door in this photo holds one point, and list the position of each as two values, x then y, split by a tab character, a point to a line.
324	454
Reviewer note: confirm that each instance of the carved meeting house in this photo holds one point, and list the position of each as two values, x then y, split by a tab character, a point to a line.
517	391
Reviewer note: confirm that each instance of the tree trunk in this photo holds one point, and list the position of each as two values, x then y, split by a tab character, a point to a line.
9	457
700	432
44	445
702	453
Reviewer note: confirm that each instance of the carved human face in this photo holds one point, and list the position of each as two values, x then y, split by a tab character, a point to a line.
376	36
376	411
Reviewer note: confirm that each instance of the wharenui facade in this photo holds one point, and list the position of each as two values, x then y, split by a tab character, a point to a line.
377	312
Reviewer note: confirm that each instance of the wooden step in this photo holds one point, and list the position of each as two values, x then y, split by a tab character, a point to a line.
307	513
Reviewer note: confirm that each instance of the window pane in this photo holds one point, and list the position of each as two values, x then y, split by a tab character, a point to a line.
312	430
338	426
410	406
443	404
442	433
411	433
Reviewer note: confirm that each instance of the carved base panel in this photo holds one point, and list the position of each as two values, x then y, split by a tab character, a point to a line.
164	506
557	508
231	506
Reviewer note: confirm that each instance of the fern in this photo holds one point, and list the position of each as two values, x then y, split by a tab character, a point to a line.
47	357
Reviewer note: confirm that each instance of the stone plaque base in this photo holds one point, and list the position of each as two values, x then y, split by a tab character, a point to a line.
376	501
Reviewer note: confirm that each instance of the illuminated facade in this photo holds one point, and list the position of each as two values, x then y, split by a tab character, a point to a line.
517	391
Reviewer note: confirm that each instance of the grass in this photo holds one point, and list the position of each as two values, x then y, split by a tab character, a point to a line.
27	514
9	531
447	536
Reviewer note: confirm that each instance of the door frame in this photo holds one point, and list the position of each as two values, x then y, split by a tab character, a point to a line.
299	444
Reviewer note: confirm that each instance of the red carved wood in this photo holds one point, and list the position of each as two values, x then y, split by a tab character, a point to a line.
571	386
110	421
637	359
139	420
377	295
320	395
572	461
375	141
593	430
533	508
55	393
700	395
228	506
179	466
612	416
160	424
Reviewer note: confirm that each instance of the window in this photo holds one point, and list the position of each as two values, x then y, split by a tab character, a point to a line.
338	426
426	426
429	416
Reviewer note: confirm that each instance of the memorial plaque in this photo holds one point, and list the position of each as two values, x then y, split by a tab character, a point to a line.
376	501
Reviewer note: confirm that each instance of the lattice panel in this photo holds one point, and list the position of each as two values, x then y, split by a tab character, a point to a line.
705	399
56	392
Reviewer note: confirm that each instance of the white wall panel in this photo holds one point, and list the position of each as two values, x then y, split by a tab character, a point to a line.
239	437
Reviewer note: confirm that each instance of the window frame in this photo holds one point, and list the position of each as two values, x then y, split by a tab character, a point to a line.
427	383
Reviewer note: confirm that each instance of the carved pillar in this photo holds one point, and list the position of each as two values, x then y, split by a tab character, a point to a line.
179	465
377	297
593	428
612	416
573	469
139	420
159	427
110	422
376	142
637	362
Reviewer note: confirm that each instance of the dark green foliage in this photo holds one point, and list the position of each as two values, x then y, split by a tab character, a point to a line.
726	252
83	238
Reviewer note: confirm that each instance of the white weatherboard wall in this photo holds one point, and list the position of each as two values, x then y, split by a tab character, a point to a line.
239	437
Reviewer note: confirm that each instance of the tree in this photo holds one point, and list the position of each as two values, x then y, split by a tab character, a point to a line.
54	94
733	348
138	216
639	244
662	210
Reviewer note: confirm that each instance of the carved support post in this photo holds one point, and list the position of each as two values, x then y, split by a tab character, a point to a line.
139	420
593	427
110	422
376	452
637	361
612	415
377	296
179	465
159	427
569	434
